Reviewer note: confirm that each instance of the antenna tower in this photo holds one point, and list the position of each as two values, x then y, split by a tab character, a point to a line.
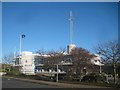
71	27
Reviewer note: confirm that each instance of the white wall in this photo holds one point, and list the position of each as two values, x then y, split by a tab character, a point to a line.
27	62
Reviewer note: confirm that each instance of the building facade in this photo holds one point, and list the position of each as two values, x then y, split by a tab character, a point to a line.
31	64
26	62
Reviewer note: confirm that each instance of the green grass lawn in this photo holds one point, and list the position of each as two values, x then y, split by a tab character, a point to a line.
2	70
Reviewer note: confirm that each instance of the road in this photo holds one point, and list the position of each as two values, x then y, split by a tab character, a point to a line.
12	83
8	82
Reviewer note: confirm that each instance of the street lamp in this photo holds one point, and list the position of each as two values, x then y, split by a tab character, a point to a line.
100	68
100	62
57	73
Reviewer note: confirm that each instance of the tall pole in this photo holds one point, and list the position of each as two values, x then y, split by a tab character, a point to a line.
14	56
20	44
100	69
71	27
114	70
57	73
20	52
100	62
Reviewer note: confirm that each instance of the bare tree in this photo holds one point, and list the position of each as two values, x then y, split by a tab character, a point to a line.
56	57
110	54
81	59
8	60
41	52
53	57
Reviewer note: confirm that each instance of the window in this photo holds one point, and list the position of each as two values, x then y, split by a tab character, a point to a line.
38	61
26	61
17	61
95	60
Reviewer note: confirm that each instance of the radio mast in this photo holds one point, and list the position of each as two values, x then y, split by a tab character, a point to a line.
71	27
71	47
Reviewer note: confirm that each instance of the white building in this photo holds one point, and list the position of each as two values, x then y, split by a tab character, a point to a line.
70	48
97	60
26	64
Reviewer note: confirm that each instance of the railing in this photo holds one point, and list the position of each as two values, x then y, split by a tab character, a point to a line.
48	72
18	65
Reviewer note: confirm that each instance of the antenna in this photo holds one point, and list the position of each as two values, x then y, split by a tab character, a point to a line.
71	27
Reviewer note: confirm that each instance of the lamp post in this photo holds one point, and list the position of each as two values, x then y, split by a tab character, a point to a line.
100	62
21	36
20	44
100	69
57	73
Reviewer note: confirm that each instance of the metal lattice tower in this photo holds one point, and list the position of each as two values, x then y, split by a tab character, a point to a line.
71	27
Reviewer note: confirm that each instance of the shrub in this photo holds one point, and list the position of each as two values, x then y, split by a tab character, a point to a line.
14	71
94	78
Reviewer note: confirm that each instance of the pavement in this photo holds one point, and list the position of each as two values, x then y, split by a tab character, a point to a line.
55	84
13	83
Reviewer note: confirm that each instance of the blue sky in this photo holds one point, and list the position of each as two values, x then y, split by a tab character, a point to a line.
47	26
